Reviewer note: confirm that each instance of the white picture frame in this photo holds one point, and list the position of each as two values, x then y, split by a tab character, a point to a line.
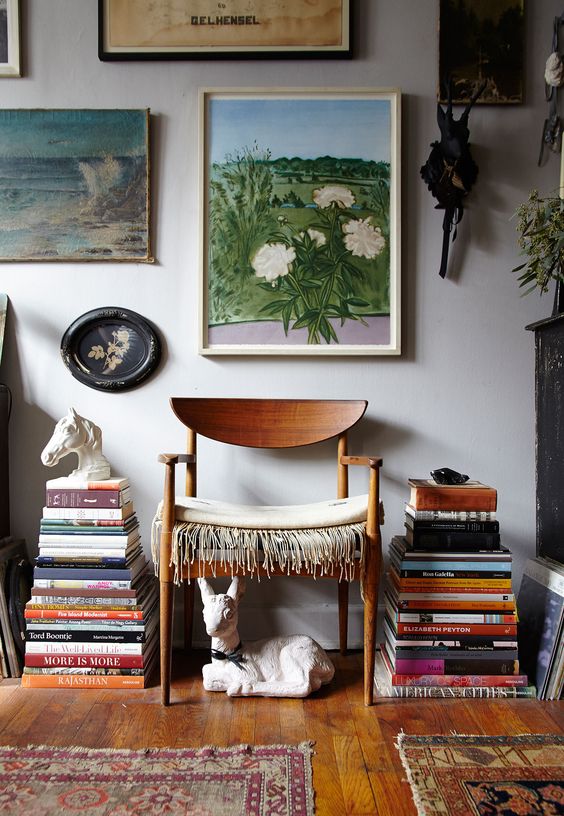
319	272
10	64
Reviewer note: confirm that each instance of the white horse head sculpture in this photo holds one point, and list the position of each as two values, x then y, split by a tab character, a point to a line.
75	434
292	666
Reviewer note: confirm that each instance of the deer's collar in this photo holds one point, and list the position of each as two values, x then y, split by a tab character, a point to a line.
234	656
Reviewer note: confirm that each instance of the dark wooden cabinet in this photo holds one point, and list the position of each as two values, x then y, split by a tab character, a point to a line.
549	390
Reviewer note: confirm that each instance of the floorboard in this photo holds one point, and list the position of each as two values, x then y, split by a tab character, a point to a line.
356	766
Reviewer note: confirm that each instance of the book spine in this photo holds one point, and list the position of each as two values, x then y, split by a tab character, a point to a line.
87	635
494	585
98	574
52	532
80	681
477	692
112	613
86	542
50	583
427	497
62	595
481	597
80	525
71	484
421	540
84	648
484	605
455	651
438	574
449	515
107	513
83	670
84	498
459	680
455	618
496	630
94	661
455	666
93	552
82	562
452	526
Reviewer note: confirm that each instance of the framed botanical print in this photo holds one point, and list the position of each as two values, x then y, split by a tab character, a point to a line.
206	29
300	232
10	38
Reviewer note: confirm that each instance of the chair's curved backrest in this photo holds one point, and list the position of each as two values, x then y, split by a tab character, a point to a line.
268	423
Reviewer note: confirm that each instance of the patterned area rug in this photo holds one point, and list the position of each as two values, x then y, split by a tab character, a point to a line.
272	780
485	776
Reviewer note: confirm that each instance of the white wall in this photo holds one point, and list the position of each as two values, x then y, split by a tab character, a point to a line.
462	392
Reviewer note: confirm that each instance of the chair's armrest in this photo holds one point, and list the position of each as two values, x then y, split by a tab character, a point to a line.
177	458
366	461
374	463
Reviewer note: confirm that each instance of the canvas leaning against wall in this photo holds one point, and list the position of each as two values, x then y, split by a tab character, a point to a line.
74	185
300	238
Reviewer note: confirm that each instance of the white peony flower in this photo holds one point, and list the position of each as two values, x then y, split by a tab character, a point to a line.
317	237
272	261
362	239
326	196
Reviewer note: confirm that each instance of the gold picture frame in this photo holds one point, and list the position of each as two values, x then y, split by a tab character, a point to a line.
206	29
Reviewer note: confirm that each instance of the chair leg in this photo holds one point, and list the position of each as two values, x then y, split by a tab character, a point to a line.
189	595
343	589
370	591
166	616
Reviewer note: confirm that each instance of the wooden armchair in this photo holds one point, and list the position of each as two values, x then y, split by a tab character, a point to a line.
194	532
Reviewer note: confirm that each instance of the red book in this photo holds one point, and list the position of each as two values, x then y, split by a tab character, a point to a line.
102	661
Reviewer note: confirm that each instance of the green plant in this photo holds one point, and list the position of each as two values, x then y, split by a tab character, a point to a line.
541	237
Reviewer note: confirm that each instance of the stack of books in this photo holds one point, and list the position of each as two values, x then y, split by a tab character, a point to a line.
92	620
451	624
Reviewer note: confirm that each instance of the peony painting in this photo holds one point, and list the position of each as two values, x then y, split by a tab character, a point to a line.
74	185
301	222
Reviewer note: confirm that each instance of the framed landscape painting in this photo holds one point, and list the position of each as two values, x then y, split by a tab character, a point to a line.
481	43
10	38
300	234
74	185
206	29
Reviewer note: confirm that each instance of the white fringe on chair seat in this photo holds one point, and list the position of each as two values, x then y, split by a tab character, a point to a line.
204	531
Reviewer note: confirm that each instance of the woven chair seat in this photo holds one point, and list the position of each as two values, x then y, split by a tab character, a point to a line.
324	538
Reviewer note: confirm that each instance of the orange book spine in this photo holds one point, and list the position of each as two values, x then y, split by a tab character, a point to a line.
82	681
82	614
478	606
430	498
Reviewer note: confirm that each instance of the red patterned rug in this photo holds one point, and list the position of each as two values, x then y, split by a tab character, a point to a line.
273	780
485	776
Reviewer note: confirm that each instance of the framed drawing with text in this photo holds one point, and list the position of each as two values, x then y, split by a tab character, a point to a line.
300	194
10	38
164	29
75	185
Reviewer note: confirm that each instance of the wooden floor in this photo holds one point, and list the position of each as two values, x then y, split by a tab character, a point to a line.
356	767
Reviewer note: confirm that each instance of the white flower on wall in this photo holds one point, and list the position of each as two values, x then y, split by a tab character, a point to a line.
272	261
333	194
362	239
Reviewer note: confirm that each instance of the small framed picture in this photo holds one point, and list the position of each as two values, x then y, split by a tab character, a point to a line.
481	44
206	29
111	349
10	38
300	235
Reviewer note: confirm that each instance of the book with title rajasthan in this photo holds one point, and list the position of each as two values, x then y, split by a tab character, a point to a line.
94	597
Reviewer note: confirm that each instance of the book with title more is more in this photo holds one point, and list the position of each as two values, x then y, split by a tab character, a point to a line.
473	496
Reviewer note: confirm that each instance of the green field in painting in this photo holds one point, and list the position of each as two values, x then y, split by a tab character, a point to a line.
254	201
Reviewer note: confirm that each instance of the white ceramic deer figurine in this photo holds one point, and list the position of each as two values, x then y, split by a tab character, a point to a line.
292	666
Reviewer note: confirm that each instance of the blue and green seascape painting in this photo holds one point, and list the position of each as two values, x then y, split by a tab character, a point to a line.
299	221
74	185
